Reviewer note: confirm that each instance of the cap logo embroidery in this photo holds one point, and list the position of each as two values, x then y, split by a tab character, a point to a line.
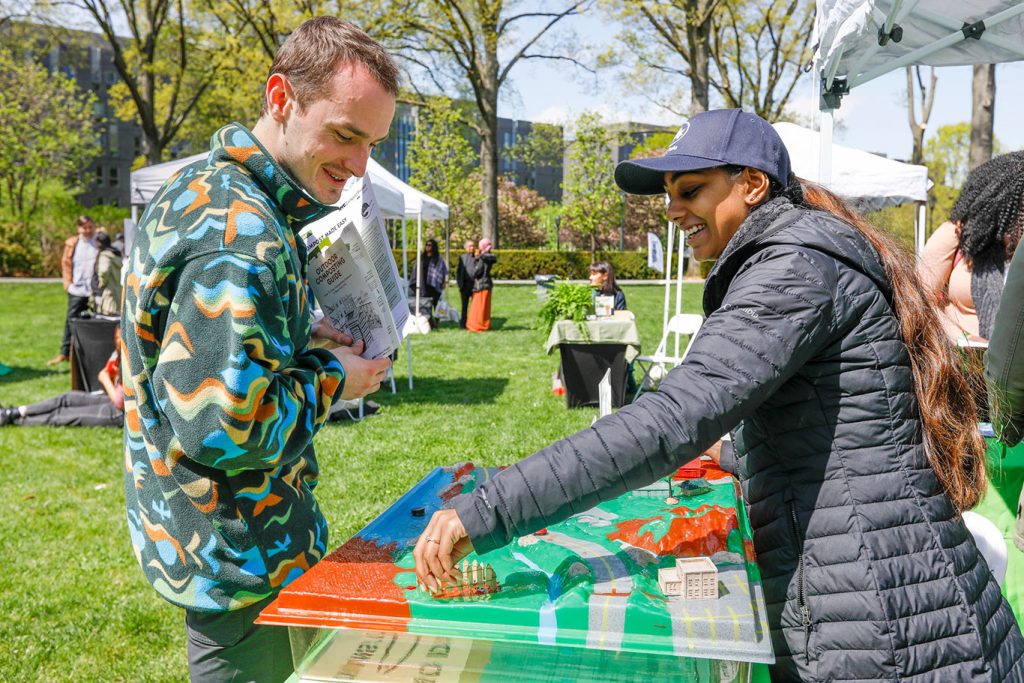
679	136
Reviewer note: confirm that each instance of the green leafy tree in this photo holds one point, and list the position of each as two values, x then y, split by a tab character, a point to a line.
740	53
945	154
441	163
46	133
646	213
519	215
464	42
592	202
251	31
543	147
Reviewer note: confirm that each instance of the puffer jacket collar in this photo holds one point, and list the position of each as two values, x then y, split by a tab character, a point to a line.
803	228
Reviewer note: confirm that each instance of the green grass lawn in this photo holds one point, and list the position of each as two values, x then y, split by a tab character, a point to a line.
75	605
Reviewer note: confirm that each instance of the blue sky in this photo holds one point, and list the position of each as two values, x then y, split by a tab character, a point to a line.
873	117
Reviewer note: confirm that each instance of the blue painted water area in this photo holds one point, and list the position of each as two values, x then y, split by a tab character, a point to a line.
548	626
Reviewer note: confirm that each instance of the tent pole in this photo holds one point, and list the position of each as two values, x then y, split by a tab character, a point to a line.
668	275
679	284
408	357
920	216
825	148
419	265
405	256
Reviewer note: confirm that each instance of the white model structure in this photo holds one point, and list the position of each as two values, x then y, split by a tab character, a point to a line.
693	578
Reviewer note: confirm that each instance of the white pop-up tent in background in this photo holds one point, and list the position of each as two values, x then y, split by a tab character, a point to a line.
860	40
397	200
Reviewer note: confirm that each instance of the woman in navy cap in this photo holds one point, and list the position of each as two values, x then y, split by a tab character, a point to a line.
852	427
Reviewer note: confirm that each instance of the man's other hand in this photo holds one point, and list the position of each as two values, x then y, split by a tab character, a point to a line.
362	375
329	337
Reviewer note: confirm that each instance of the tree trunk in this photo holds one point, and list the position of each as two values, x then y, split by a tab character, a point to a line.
489	164
983	103
698	37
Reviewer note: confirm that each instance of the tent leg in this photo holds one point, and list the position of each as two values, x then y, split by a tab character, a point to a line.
408	357
679	283
825	148
920	216
405	255
668	273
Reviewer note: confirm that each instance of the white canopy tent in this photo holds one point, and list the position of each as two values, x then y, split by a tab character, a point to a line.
418	205
872	182
860	40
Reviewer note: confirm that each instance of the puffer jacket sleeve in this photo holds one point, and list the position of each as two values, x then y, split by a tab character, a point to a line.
778	312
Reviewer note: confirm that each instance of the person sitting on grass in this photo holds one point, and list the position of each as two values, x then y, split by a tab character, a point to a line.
77	408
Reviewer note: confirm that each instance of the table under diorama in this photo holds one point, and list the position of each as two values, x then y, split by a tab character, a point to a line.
579	601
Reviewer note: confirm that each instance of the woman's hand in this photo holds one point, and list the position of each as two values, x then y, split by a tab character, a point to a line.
439	549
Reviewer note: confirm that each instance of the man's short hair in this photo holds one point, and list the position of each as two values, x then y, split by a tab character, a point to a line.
82	220
310	55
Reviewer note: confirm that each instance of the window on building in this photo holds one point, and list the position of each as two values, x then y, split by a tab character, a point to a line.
137	146
113	139
99	176
111	77
113	176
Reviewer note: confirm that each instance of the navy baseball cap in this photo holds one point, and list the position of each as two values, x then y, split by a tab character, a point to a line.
720	137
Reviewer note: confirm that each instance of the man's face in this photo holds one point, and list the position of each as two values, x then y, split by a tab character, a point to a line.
86	230
469	246
330	139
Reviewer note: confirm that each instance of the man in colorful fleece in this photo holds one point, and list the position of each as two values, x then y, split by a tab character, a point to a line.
222	392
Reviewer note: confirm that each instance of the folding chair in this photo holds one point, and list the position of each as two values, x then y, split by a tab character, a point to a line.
687	324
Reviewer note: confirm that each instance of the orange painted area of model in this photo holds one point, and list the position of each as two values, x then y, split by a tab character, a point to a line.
703	534
354	585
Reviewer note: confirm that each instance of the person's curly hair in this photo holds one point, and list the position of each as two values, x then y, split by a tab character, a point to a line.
990	210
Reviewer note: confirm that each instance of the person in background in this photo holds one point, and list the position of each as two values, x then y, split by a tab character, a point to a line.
853	427
964	261
464	279
107	280
432	272
77	264
602	279
77	408
479	317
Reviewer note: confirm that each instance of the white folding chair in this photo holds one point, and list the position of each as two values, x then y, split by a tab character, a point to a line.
681	324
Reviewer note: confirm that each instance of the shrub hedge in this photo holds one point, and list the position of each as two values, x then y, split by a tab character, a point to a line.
523	264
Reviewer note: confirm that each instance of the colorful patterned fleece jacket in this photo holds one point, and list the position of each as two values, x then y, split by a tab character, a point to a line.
222	395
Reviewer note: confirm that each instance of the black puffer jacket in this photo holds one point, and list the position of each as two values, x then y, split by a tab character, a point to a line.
869	573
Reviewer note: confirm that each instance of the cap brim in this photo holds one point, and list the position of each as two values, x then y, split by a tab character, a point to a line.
647	176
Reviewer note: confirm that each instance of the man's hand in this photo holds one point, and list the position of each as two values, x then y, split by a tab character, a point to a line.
362	375
439	549
330	337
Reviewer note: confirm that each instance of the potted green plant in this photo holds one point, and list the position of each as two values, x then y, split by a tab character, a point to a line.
566	301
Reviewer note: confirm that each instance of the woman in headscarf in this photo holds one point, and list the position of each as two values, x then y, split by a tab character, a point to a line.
479	319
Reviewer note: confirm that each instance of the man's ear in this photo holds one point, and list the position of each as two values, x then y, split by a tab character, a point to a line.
756	184
280	96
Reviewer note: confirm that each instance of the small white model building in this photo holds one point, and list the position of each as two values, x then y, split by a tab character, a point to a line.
693	578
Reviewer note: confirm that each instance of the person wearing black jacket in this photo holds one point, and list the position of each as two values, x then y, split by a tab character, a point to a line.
464	278
479	318
855	449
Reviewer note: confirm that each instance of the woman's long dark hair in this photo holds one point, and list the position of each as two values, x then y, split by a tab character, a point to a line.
425	260
955	448
990	210
605	268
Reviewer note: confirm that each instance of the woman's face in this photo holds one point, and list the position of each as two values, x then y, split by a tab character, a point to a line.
597	279
709	206
429	249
